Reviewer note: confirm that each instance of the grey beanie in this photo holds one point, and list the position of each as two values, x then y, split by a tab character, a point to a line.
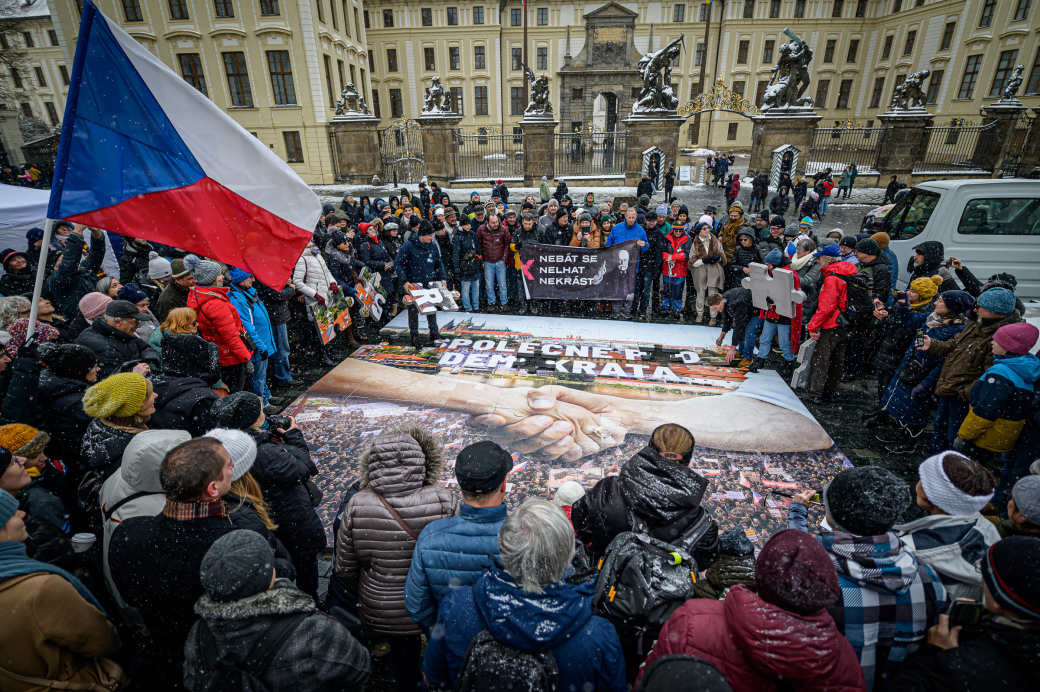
866	500
205	271
238	565
158	267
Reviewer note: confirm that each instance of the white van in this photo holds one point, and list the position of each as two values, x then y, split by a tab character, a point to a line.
990	225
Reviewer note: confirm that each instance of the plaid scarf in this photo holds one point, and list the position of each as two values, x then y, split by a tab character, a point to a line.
888	600
186	511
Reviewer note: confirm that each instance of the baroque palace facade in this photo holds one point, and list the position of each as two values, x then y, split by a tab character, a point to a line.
278	66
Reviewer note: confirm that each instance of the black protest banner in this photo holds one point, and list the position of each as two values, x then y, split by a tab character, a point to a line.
579	273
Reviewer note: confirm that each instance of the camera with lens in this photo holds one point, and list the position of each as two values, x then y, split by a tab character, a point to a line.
276	422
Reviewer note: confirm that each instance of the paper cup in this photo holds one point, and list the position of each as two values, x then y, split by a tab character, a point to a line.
81	542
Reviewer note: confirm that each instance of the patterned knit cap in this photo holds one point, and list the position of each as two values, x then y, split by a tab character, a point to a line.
117	396
23	440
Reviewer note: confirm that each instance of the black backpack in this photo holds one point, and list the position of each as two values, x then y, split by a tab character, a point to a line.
491	666
643	580
859	302
244	676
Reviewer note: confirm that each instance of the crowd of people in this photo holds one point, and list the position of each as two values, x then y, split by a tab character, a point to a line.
159	524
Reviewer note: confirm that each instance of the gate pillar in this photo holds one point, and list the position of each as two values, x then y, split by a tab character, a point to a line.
355	149
438	139
904	143
539	149
1001	148
775	128
646	132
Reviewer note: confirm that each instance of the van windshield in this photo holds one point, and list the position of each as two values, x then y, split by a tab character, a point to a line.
910	214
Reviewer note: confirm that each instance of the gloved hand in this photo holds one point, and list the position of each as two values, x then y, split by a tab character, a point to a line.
28	349
919	392
963	446
320	298
334	288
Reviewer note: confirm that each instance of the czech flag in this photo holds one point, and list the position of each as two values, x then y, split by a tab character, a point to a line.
144	154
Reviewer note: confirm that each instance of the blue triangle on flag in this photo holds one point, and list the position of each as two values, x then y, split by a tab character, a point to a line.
116	141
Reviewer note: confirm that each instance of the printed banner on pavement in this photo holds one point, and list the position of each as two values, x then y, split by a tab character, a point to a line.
579	273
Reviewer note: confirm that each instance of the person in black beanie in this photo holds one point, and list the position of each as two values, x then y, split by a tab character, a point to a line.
419	262
69	370
243	600
1002	651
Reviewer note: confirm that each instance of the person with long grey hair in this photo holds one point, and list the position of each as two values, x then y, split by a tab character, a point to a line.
530	607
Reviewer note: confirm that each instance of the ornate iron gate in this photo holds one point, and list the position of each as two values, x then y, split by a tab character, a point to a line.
1016	146
401	152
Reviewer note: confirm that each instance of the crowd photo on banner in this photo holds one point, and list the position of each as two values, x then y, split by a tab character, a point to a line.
164	523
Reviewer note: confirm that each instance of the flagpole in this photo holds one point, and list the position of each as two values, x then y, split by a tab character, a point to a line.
41	269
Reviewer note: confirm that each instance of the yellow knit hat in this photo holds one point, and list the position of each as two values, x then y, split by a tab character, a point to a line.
116	396
23	440
926	286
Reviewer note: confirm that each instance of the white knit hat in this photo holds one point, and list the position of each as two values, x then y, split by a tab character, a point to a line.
158	267
240	446
569	493
941	491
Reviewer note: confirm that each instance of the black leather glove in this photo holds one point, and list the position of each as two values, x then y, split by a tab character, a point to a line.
965	447
28	349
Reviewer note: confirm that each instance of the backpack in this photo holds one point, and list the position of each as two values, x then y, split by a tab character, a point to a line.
643	580
491	666
242	676
859	302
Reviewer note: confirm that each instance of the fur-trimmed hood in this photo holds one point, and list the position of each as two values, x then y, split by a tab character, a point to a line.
401	461
282	599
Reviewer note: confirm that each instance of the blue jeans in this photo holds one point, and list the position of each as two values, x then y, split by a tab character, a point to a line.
280	360
769	330
824	201
471	294
754	203
747	349
671	292
496	271
949	415
258	381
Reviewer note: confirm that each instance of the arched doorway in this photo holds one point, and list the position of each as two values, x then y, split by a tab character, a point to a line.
605	111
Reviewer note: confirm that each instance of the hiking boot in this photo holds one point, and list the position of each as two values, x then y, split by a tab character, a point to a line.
787	369
744	362
328	362
890	436
757	365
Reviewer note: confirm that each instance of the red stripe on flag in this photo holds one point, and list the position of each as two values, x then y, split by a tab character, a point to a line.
235	231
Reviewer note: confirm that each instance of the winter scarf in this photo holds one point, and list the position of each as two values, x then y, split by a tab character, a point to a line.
944	494
798	262
15	562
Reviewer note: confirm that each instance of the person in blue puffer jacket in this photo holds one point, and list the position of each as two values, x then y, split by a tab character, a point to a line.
258	324
451	552
1001	399
527	605
908	398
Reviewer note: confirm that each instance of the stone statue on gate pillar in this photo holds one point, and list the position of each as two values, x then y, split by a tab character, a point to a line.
910	95
790	77
539	105
655	69
351	103
1010	93
436	101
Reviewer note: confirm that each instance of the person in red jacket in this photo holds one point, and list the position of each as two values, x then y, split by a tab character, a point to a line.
828	359
494	239
673	268
218	320
775	633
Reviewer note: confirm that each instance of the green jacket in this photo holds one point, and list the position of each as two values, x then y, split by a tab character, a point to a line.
968	355
543	192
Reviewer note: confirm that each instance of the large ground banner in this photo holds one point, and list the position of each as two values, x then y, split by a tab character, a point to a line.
579	273
573	400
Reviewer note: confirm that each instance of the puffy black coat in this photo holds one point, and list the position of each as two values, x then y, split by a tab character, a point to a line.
12	284
151	289
183	403
880	277
561	191
114	349
664	494
779	205
419	262
743	256
134	260
60	403
896	335
102	448
243	515
374	255
276	302
645	187
651	260
18	390
283	464
465	253
556	234
990	657
74	279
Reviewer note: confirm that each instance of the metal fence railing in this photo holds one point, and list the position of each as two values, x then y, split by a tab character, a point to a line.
592	155
837	147
489	157
401	152
956	148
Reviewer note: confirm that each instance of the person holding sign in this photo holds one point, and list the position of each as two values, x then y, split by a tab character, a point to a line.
629	230
419	262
